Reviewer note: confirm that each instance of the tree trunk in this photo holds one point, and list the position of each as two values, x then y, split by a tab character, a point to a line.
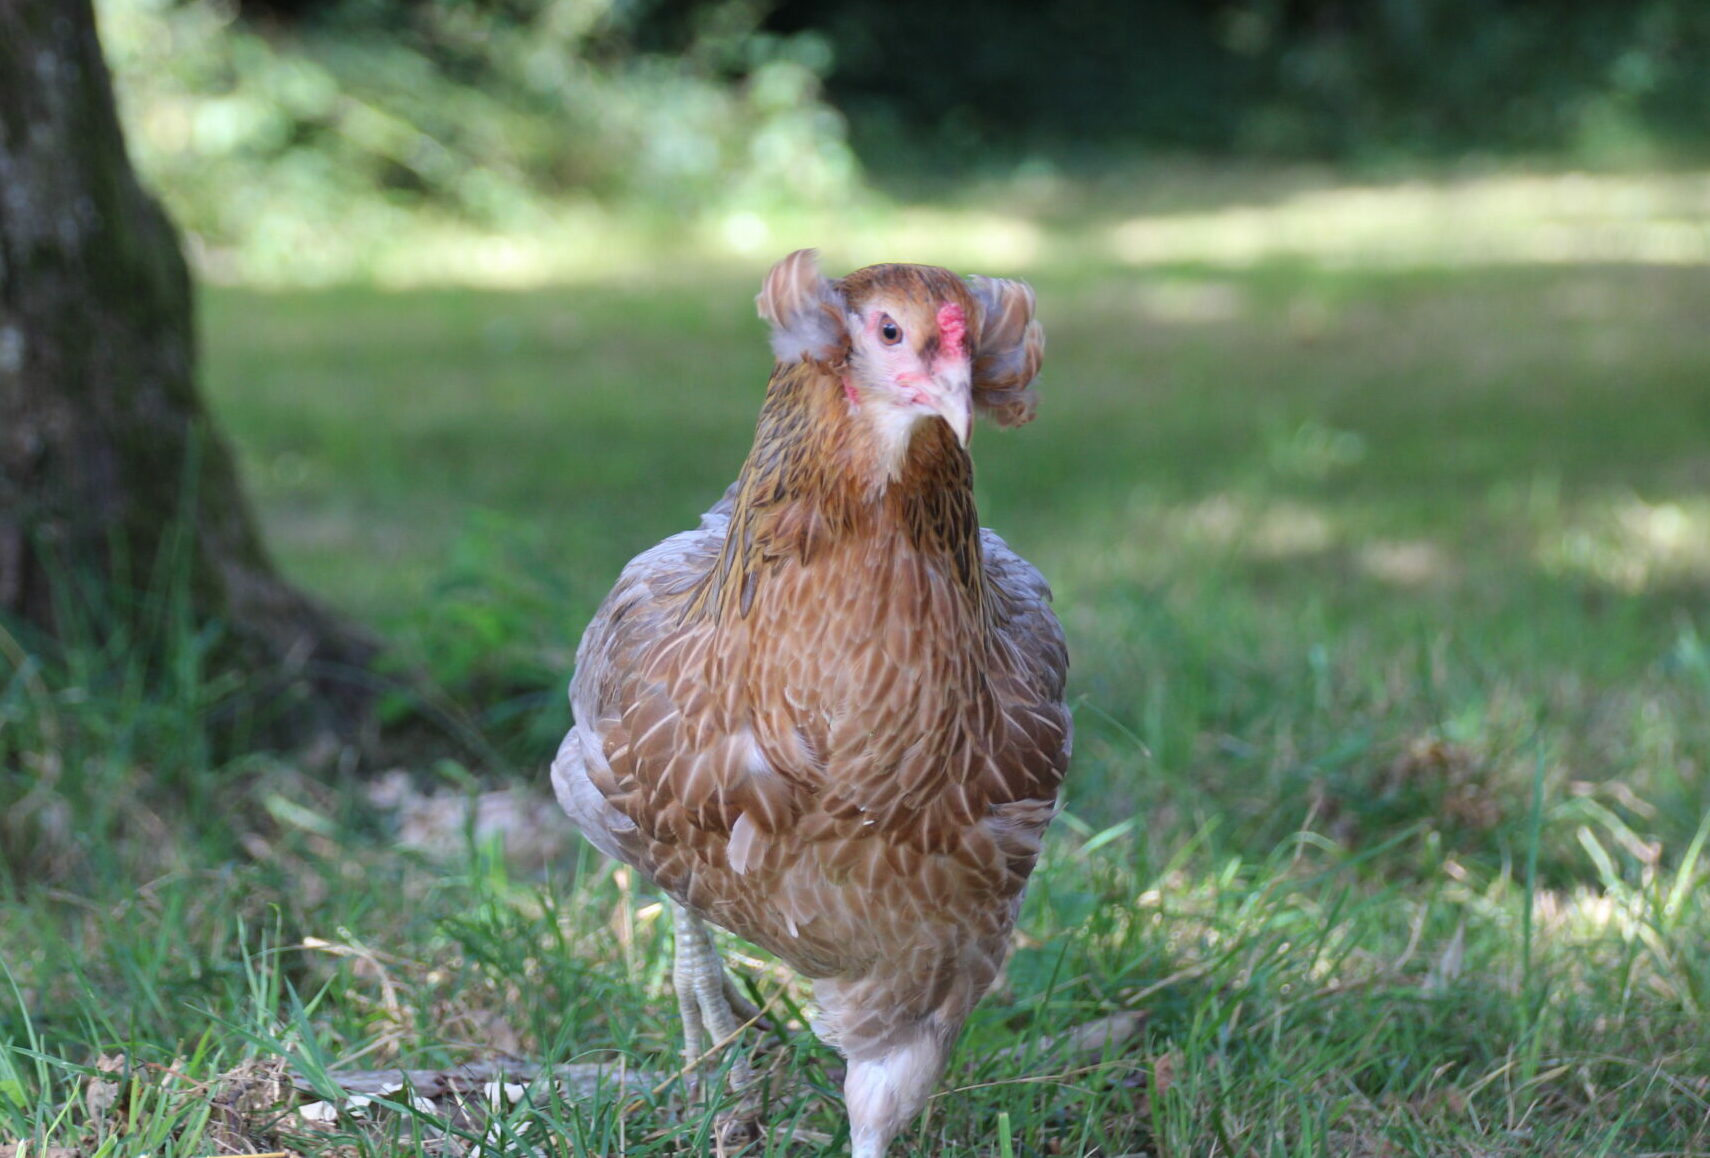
113	485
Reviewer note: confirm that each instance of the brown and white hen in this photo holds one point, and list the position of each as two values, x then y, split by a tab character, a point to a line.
831	718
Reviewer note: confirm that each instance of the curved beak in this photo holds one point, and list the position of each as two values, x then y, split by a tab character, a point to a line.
951	398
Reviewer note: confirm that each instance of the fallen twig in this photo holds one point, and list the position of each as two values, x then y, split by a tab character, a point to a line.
579	1080
1094	1037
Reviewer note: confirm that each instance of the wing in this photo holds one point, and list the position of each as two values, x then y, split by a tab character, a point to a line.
663	762
1025	619
613	673
1030	750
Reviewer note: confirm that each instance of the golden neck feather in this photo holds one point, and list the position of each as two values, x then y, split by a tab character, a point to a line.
815	477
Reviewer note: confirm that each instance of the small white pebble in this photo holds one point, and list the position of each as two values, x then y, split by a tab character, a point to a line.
421	1105
319	1112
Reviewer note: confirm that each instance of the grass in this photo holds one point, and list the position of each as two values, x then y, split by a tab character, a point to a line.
1388	587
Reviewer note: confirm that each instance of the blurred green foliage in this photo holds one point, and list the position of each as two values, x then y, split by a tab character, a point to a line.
310	134
273	140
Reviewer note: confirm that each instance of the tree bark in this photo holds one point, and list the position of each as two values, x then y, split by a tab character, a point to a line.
114	487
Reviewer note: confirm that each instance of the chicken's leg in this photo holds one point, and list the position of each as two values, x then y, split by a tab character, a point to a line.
707	1002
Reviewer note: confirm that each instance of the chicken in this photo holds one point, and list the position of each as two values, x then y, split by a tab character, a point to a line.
831	719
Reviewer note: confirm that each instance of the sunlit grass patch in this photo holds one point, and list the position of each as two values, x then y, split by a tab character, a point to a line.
1630	544
1155	218
1494	219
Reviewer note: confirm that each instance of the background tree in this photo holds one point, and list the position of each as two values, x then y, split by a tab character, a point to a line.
112	481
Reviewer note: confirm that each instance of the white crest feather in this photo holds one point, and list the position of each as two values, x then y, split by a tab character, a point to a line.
803	308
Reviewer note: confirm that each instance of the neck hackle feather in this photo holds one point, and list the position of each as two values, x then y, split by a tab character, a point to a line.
814	479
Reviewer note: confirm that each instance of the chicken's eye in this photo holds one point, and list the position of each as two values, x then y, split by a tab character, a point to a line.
889	332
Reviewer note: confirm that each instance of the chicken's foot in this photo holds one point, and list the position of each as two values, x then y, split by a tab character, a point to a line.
709	1004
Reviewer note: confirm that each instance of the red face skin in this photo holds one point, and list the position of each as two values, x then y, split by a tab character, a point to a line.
952	332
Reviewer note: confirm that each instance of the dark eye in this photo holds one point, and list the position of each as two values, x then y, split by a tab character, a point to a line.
889	332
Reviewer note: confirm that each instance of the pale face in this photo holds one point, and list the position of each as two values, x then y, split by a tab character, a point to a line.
910	363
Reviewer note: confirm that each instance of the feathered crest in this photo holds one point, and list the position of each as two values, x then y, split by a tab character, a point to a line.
803	308
1010	350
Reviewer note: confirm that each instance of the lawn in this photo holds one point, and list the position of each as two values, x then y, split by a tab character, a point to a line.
1379	520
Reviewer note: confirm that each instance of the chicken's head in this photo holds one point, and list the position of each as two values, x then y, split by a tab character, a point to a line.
909	343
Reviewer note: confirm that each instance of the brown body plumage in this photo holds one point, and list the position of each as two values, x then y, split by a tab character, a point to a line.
831	719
